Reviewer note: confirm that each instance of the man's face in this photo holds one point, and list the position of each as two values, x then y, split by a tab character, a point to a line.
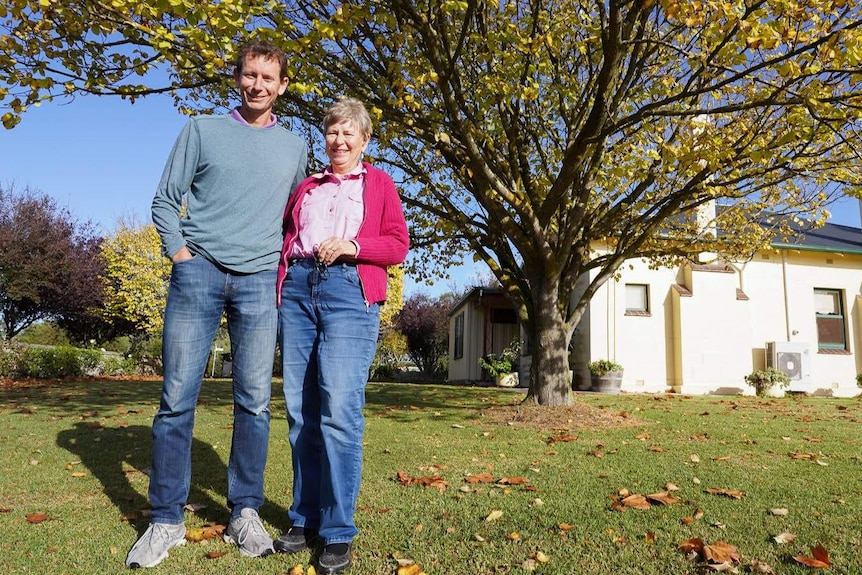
259	84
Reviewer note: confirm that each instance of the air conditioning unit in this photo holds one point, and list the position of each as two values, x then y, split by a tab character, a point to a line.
792	358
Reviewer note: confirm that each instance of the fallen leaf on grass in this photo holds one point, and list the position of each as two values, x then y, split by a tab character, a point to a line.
208	531
734	493
540	557
635	501
78	474
411	569
779	512
719	556
38	517
671	487
493	516
760	567
561	438
565	527
783	538
800	455
663	498
480	478
513	536
215	554
435	481
513	481
695	458
819	561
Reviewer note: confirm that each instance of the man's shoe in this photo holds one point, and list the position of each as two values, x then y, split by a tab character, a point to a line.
247	532
153	546
336	558
294	540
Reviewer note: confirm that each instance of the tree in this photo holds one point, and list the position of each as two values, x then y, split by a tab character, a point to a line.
136	278
526	132
424	321
49	267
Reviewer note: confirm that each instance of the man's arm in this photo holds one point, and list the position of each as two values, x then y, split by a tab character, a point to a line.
175	183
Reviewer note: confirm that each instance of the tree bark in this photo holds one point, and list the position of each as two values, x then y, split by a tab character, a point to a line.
550	383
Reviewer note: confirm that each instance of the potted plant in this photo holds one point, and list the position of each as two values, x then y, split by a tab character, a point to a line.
502	367
768	382
606	376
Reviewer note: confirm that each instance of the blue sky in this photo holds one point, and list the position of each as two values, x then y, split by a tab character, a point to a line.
102	158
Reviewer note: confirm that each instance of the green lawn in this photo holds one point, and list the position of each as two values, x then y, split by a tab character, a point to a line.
75	451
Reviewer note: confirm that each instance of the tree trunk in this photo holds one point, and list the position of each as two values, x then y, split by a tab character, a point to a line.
550	383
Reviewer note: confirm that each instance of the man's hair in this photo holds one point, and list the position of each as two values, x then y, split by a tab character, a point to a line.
348	109
263	49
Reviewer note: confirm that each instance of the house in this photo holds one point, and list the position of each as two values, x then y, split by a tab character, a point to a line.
700	328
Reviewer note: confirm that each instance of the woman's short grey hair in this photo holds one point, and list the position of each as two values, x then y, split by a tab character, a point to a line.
348	109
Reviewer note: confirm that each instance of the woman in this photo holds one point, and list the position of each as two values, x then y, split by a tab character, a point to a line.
343	227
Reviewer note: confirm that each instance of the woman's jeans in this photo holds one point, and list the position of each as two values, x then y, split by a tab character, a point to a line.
199	294
328	336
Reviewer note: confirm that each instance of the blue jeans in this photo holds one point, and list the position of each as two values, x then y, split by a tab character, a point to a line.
328	337
200	293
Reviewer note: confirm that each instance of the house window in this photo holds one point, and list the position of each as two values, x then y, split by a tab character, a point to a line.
637	299
458	352
829	311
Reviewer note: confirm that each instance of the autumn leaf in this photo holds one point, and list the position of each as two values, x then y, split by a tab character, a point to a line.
411	569
779	512
434	481
296	570
760	567
636	501
38	517
783	538
561	438
493	516
720	552
513	536
663	498
480	478
819	561
565	527
733	493
513	481
215	554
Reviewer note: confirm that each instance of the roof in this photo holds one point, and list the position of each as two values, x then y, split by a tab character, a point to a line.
830	238
476	292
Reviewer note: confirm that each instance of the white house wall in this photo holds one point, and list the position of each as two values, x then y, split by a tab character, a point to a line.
785	280
636	342
706	336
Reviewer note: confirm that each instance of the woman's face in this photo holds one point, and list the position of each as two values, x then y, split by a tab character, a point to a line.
344	146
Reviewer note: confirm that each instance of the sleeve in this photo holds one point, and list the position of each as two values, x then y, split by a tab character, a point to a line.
175	183
390	246
301	169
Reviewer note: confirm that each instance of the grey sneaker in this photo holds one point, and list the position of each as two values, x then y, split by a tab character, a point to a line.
247	532
153	546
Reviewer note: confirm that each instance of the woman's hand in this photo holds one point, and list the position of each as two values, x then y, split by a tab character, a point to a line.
333	248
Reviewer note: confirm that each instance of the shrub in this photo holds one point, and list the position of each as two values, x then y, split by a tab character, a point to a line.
764	379
497	365
601	367
859	380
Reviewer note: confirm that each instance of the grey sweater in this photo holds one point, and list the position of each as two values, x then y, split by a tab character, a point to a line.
236	180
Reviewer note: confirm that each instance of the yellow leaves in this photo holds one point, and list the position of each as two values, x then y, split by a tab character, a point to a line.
207	531
494	516
298	570
411	569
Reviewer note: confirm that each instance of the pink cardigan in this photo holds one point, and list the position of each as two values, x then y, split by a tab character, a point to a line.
382	238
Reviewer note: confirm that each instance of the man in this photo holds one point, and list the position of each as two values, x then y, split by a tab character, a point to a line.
236	172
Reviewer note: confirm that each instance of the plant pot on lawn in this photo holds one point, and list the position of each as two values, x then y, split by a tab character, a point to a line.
768	382
606	376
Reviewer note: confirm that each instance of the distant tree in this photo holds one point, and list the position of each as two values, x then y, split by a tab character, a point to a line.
136	276
424	322
49	267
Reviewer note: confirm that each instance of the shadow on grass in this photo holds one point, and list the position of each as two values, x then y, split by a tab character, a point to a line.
115	454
